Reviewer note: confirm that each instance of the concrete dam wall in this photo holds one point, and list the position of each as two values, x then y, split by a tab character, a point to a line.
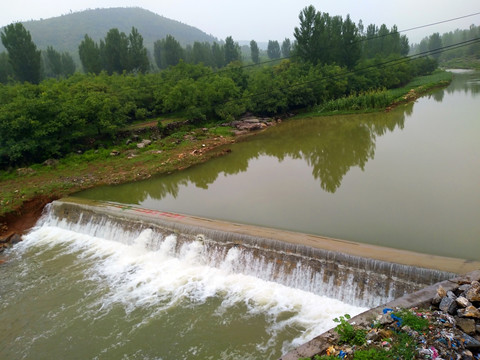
357	274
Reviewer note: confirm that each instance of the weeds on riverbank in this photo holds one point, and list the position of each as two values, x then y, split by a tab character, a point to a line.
378	343
374	100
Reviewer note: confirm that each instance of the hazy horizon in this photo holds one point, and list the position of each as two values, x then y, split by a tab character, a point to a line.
267	20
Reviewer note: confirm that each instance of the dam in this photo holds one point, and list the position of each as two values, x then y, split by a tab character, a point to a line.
107	280
131	281
361	275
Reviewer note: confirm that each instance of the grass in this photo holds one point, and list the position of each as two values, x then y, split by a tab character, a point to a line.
401	344
76	172
380	99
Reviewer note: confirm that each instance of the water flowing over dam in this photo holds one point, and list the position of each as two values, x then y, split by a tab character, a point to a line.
356	280
105	280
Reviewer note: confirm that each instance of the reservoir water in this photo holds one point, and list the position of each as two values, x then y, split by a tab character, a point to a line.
406	179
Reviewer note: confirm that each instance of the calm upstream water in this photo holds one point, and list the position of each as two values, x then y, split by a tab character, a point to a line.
406	179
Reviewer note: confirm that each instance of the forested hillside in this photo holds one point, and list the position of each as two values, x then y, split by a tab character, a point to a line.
64	33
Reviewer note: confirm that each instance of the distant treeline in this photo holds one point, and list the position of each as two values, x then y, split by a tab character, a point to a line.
436	41
331	58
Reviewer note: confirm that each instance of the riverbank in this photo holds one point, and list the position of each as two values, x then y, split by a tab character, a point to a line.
25	191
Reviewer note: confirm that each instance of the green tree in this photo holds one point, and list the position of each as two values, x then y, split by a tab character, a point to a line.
137	53
306	35
351	45
89	53
68	64
232	50
168	52
6	70
286	48
273	49
22	52
53	63
435	43
254	51
116	51
218	54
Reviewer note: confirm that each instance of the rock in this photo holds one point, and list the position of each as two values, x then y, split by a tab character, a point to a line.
140	145
50	162
147	142
451	295
466	325
128	142
25	171
463	302
470	312
115	153
448	305
473	294
15	239
441	292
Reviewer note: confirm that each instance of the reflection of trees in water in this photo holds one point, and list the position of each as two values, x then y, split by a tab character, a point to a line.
329	145
468	82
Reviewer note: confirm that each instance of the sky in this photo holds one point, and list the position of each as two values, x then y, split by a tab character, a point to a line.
264	20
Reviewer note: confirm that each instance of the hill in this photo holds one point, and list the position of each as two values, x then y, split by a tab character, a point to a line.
66	32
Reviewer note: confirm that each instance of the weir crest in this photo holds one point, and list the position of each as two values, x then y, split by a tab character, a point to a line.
356	280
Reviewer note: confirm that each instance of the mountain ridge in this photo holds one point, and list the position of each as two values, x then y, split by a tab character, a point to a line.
65	32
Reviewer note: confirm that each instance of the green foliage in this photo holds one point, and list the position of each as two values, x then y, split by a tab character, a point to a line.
348	333
232	50
273	50
373	354
6	70
412	320
254	51
23	55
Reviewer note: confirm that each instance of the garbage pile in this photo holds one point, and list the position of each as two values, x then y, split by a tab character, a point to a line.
449	329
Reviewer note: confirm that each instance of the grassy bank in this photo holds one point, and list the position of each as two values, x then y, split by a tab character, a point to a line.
376	100
125	163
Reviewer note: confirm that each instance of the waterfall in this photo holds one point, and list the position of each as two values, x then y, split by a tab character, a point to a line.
351	279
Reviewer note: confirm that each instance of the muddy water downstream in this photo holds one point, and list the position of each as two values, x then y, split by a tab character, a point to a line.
406	179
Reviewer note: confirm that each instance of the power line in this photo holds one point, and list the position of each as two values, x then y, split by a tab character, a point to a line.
440	22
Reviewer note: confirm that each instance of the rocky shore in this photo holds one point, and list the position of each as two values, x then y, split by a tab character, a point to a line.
448	328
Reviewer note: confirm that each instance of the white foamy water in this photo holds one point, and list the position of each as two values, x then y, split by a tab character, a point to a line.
160	281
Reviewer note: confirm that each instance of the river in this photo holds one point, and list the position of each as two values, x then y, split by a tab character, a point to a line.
67	294
406	179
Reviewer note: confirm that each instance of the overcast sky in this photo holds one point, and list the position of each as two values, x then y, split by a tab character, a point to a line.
264	20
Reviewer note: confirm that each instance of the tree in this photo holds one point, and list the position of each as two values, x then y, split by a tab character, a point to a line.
254	51
351	45
116	51
218	54
89	53
22	52
137	53
286	48
273	50
434	43
305	34
232	50
68	64
53	62
5	68
168	52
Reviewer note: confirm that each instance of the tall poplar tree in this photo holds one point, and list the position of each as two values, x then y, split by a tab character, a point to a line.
90	57
254	51
23	55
